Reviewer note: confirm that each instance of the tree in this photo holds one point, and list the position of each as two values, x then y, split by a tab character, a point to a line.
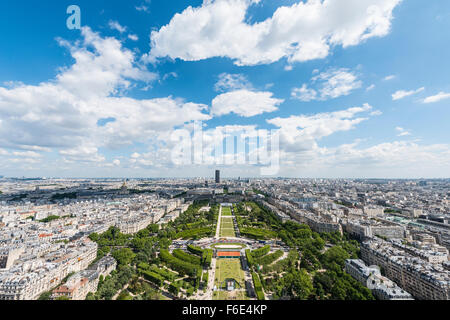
123	256
94	236
45	296
124	295
337	255
302	285
90	296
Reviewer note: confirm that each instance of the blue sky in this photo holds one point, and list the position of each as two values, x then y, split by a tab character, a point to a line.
290	69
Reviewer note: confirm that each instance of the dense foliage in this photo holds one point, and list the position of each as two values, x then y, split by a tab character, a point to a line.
178	265
180	254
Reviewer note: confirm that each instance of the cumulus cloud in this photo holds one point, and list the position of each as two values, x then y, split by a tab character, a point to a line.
328	85
245	103
304	31
301	133
436	98
398	159
230	82
63	113
403	94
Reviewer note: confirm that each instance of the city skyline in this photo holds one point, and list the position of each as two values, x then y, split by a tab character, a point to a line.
359	93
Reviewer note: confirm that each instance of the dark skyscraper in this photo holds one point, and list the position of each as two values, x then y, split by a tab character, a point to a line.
217	176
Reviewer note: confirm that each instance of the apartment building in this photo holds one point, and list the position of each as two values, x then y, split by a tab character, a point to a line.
382	288
424	280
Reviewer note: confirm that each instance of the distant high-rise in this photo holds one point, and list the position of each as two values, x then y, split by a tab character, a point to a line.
217	176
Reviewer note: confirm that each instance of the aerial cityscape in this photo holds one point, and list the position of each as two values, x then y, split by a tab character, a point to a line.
209	151
224	239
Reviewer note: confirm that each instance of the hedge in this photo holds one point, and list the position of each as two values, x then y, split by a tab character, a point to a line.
153	277
207	257
249	257
180	254
166	274
143	266
258	234
189	234
195	250
174	288
258	286
268	259
258	253
176	264
205	277
198	279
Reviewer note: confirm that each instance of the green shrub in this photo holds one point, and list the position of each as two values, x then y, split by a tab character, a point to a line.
176	264
180	254
153	277
268	259
261	252
258	286
195	250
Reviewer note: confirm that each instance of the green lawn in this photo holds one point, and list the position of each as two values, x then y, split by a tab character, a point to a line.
229	269
227	228
226	211
227	233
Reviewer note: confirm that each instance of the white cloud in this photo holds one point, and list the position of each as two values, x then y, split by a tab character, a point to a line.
27	154
133	37
114	25
143	8
402	93
439	97
62	113
304	93
376	113
390	159
370	88
402	132
86	152
390	77
331	84
231	82
245	103
301	32
170	75
301	133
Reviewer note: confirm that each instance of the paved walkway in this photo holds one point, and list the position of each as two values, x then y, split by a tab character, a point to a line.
219	220
125	287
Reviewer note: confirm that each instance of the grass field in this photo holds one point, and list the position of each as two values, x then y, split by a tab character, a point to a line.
226	211
227	227
230	269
